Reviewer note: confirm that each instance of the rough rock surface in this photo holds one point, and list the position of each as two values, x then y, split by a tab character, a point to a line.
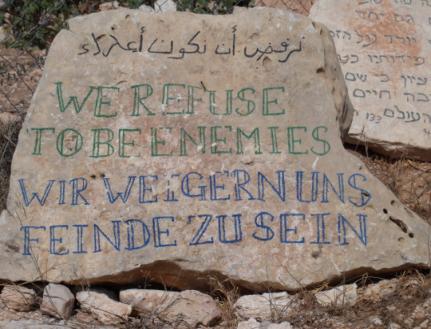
340	296
30	324
281	325
210	150
164	6
109	5
253	324
299	6
188	308
47	324
18	298
249	324
265	306
105	309
58	301
146	8
384	50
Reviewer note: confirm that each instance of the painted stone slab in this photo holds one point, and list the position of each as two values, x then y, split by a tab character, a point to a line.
384	48
152	151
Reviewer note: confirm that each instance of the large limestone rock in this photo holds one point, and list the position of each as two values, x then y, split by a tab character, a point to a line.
384	50
213	150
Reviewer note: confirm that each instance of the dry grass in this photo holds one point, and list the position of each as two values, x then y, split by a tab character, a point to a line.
227	294
8	140
412	289
19	73
410	180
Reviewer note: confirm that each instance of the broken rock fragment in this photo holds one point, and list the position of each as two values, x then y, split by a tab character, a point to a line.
18	298
106	310
58	301
344	295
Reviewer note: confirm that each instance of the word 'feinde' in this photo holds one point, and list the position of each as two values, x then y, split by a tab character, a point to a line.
166	153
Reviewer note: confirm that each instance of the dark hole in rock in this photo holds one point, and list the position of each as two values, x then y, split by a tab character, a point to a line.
399	223
12	247
315	254
266	61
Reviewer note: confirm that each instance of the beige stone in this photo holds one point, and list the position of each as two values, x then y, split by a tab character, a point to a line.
345	295
264	307
18	298
105	309
109	5
384	52
253	324
249	324
57	301
30	324
299	6
282	325
164	6
148	301
239	9
158	127
45	324
375	320
146	8
188	308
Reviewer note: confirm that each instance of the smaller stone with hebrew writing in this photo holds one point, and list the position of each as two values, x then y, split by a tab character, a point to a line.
176	146
384	48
